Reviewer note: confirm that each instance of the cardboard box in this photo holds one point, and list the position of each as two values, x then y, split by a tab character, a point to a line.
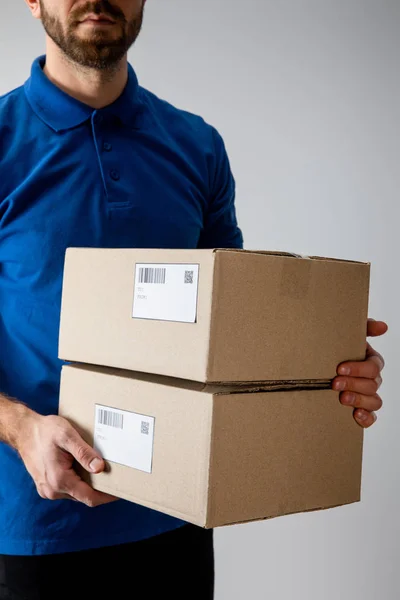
214	455
213	315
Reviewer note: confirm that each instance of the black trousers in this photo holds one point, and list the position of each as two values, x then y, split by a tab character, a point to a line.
174	565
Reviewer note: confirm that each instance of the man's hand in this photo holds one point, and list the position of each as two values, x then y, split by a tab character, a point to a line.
359	382
48	447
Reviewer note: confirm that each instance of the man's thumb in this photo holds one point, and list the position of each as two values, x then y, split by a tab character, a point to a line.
85	455
96	465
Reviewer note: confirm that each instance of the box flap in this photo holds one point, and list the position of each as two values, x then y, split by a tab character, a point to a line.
208	388
262	252
267	386
290	255
194	386
340	260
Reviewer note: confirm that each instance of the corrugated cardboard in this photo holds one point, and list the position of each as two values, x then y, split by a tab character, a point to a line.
259	316
221	457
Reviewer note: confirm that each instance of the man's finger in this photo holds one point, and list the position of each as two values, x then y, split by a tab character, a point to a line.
82	492
48	493
364	418
82	452
87	495
368	403
370	368
376	328
372	352
359	385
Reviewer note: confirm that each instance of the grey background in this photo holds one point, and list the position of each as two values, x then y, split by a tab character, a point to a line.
306	94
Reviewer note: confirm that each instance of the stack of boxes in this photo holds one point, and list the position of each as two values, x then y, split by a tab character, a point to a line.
203	377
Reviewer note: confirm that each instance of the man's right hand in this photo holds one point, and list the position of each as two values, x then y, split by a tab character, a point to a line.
48	446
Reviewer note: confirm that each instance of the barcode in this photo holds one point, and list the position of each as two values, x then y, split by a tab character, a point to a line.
189	276
111	418
145	427
152	275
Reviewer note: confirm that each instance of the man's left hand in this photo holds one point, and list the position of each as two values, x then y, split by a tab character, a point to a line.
359	382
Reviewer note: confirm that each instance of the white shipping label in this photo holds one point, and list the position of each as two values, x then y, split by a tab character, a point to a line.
166	292
124	437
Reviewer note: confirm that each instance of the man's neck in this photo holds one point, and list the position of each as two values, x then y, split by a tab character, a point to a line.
92	87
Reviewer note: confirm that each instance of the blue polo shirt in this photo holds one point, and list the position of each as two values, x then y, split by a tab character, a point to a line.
138	173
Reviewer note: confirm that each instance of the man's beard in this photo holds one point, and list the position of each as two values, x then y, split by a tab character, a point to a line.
98	51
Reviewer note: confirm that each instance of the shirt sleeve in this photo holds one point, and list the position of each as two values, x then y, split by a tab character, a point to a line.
221	229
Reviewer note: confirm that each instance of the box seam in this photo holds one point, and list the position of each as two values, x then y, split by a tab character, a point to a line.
213	318
211	446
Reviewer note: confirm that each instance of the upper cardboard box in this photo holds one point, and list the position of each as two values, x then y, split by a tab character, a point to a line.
213	315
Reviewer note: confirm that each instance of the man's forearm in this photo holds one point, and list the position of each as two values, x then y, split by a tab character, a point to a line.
12	414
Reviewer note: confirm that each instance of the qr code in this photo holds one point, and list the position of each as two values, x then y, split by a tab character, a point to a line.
145	427
189	276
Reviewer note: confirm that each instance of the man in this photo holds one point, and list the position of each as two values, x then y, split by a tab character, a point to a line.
89	158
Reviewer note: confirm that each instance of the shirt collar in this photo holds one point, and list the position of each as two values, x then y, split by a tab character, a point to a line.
60	111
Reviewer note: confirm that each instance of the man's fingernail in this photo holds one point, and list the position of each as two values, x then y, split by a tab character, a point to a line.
349	399
340	385
361	416
95	465
344	370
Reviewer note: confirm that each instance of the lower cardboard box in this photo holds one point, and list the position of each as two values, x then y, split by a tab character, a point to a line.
215	455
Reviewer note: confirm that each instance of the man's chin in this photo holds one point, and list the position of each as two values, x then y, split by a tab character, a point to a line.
87	37
95	45
95	55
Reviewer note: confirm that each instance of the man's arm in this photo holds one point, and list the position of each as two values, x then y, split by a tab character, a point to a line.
221	229
48	446
12	415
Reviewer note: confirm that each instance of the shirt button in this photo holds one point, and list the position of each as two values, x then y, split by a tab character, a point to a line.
107	147
114	174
